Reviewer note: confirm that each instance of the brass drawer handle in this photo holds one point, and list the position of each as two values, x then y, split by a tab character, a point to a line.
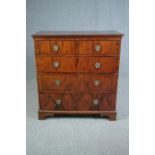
97	82
58	102
57	82
56	64
97	48
97	65
95	102
55	48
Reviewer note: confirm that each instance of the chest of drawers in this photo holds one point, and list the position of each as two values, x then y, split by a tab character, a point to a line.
77	72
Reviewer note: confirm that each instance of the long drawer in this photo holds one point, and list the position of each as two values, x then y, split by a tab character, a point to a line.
80	64
68	47
77	102
82	82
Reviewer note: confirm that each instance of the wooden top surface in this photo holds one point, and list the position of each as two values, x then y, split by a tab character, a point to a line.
76	33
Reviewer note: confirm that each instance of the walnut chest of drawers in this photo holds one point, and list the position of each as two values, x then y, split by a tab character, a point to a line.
77	72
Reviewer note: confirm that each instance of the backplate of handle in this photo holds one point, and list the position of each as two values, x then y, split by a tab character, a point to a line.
97	82
56	64
97	65
58	101
97	48
95	102
57	82
55	48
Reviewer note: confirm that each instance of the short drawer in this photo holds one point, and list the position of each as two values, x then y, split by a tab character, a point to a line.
104	47
98	64
57	102
55	47
104	83
57	82
42	47
62	47
95	102
55	64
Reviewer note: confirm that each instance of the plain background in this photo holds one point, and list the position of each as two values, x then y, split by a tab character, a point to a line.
81	135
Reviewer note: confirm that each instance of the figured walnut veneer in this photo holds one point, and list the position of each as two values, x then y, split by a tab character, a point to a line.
77	72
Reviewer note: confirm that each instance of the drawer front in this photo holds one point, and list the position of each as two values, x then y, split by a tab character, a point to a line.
98	47
104	83
63	47
56	64
98	64
58	102
78	102
57	82
55	47
95	102
42	47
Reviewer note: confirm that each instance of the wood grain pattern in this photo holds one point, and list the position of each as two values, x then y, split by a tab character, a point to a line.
107	83
85	102
107	47
79	102
42	46
108	64
45	64
84	64
48	101
48	82
69	81
82	82
65	47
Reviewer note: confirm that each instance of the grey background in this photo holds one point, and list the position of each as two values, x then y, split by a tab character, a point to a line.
77	136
